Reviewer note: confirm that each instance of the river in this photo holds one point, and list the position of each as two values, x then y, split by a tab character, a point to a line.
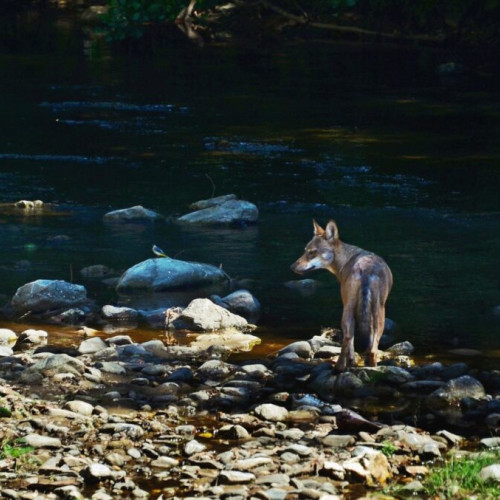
406	162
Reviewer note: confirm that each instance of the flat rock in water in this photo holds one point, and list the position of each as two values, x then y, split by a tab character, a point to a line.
211	202
45	295
132	214
235	341
162	274
228	212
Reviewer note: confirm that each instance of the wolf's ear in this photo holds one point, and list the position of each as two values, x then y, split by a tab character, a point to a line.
331	231
318	230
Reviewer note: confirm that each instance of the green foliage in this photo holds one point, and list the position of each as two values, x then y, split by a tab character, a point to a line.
126	18
14	449
388	448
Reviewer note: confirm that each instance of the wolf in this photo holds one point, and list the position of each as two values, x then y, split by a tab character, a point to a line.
365	282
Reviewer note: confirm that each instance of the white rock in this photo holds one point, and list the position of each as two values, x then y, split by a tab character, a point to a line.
269	411
235	477
80	407
39	441
193	446
490	472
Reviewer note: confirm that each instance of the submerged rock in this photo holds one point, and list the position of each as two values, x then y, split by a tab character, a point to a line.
222	210
166	274
47	295
240	302
451	394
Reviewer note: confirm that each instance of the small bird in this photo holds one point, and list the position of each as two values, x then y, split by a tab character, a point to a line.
158	251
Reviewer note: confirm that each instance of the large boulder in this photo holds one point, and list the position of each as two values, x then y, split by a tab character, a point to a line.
137	213
41	296
222	210
162	274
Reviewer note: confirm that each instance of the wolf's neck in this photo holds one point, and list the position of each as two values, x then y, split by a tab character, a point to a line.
343	254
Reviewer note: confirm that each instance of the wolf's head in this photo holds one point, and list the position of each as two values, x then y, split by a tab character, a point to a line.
320	251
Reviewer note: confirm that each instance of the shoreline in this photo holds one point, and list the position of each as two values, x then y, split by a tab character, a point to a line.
146	420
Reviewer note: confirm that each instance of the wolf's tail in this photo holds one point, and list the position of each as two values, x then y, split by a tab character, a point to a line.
367	314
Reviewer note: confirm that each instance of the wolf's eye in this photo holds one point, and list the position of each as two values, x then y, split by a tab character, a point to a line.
312	253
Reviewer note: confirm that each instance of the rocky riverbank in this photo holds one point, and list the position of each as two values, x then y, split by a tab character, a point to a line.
112	418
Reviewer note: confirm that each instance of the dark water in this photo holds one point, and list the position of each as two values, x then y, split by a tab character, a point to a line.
407	163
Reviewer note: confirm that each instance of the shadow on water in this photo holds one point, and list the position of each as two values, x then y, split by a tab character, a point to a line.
405	162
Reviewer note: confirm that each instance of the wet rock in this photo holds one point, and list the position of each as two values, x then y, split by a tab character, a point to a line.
271	412
114	368
166	274
47	295
29	338
119	314
55	363
346	383
73	316
453	392
224	212
204	315
401	349
430	371
215	369
136	213
302	348
240	302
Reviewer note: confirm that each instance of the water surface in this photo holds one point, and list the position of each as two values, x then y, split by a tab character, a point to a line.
407	164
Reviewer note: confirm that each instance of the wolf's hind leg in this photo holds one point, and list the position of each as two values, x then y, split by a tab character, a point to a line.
375	335
346	358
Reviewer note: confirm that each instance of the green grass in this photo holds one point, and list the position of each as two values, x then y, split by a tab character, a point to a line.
15	449
458	478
